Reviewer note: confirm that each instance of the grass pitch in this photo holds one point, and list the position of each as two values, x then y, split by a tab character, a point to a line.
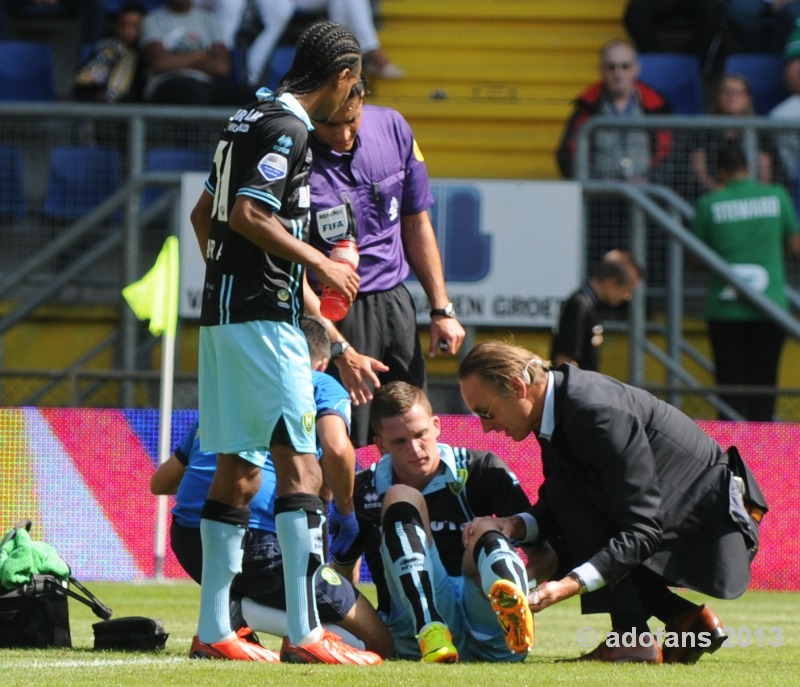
764	651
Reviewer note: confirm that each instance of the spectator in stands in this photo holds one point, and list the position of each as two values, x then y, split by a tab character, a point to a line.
788	143
645	21
616	155
356	14
761	25
578	334
186	58
635	155
229	14
91	15
114	71
732	98
748	224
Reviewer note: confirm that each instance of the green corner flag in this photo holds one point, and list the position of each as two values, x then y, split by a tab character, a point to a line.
155	296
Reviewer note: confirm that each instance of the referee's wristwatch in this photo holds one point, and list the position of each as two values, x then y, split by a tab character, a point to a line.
448	310
338	348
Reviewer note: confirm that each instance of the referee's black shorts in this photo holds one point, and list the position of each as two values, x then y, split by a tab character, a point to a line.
383	325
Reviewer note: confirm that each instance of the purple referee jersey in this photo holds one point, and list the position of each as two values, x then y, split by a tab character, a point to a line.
384	177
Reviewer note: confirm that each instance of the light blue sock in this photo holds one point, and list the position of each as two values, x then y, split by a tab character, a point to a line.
222	559
300	537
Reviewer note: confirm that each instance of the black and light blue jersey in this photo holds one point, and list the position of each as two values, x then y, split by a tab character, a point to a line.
262	154
469	484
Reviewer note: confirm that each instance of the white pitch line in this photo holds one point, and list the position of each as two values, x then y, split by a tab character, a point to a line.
98	662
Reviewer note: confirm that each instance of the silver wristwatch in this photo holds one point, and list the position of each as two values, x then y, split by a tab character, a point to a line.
448	310
338	348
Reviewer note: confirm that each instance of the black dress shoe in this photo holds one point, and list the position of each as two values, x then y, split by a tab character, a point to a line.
624	654
700	623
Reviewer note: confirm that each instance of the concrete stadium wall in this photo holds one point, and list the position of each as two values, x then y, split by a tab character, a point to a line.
82	476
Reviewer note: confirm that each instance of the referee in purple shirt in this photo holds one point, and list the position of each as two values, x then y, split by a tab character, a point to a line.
368	178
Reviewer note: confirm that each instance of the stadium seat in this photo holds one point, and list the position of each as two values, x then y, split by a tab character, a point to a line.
764	73
676	76
85	53
238	66
174	160
27	71
179	159
279	64
12	183
79	178
114	6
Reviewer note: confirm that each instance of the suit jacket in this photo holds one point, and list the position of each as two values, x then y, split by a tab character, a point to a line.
631	480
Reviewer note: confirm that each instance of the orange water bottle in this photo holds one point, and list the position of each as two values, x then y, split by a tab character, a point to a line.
333	304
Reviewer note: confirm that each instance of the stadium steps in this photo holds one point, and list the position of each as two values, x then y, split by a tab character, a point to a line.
488	85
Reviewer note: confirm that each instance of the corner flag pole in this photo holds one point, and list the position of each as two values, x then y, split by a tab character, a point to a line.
164	436
155	297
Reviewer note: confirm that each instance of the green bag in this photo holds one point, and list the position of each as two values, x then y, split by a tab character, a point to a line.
34	610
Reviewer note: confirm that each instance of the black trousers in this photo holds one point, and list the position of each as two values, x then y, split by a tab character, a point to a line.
746	353
644	18
182	90
383	325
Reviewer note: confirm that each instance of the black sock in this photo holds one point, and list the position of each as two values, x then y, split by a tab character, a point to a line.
657	598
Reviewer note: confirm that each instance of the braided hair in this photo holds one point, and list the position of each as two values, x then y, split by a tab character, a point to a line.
325	48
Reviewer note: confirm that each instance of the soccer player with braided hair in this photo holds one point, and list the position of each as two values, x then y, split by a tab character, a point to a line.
255	389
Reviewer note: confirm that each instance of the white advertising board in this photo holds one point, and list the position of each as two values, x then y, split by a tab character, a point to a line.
511	249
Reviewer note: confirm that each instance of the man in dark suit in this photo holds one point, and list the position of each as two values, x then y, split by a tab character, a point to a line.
636	498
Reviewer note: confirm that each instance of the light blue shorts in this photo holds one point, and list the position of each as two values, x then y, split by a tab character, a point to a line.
463	606
251	374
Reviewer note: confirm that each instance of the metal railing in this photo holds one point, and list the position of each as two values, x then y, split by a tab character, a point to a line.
663	209
121	245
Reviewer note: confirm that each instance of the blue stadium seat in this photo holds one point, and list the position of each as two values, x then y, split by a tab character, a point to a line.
85	53
12	183
764	73
114	6
238	66
279	64
179	159
676	76
174	160
79	178
27	71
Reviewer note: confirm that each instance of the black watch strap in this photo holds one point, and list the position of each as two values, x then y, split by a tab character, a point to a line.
447	311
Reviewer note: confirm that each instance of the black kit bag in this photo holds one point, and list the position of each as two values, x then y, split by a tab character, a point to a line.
36	614
134	633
